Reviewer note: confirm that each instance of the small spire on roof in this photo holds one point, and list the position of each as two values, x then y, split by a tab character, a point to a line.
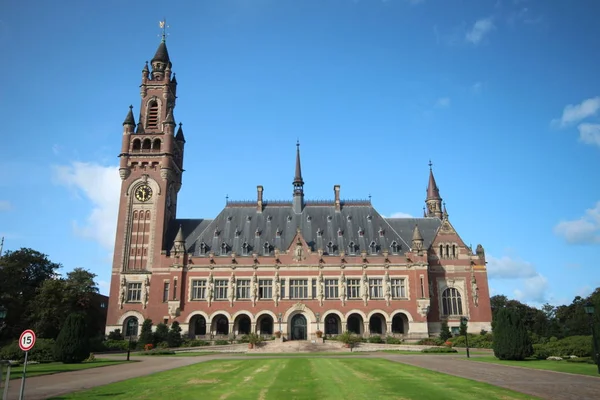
179	236
298	182
169	120
417	233
129	120
179	136
424	212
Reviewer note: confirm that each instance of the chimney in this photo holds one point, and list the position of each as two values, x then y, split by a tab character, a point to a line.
259	198
338	204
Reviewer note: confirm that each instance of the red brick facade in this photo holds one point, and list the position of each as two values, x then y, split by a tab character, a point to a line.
321	266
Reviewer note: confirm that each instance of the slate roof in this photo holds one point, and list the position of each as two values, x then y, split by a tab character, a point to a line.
240	228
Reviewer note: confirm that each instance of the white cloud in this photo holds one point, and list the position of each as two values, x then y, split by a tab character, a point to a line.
584	230
573	113
480	29
5	205
443	102
531	286
589	133
100	186
104	287
400	215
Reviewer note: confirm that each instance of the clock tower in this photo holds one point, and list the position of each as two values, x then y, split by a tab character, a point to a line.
151	165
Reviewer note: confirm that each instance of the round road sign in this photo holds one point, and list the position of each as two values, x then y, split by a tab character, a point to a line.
27	340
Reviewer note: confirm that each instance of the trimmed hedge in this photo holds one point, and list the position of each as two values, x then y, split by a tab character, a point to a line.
580	346
475	341
439	350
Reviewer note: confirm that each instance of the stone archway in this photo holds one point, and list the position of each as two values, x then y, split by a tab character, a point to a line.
220	325
400	324
197	326
355	324
377	324
333	324
264	324
242	324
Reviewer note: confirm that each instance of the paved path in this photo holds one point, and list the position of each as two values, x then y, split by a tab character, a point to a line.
45	386
541	383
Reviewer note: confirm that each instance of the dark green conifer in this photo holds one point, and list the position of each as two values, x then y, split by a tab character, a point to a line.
511	339
73	345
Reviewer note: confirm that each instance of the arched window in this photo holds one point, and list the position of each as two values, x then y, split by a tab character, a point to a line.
330	248
373	248
453	251
245	249
447	251
156	144
146	144
351	248
441	251
224	249
451	302
131	326
203	248
267	248
395	247
152	121
137	145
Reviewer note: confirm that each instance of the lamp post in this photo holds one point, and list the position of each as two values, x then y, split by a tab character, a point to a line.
589	310
2	362
464	320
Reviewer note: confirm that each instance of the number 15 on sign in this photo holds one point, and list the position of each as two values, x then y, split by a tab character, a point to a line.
26	343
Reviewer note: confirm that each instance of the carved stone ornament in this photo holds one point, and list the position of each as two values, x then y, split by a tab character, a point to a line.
145	178
298	252
299	306
174	308
123	292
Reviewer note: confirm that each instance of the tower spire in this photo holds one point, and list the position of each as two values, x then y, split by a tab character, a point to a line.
298	183
433	199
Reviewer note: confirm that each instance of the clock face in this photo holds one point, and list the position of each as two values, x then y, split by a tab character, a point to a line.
143	193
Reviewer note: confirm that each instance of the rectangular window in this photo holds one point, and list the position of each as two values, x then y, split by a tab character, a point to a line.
314	288
134	292
354	288
243	288
422	287
174	289
221	289
376	288
331	289
298	288
398	289
283	288
265	289
166	292
198	289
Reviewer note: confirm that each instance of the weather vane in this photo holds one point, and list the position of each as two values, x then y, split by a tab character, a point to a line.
163	25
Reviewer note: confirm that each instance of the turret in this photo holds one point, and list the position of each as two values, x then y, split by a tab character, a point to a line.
433	200
298	200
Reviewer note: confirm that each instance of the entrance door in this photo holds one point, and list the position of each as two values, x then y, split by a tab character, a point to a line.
298	327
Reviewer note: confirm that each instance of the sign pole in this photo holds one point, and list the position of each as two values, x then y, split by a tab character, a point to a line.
5	395
23	378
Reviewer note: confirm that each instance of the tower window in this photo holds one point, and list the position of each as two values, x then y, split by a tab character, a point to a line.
453	251
146	144
152	121
156	144
137	145
441	251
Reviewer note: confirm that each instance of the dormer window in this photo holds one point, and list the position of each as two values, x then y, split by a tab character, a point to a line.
309	218
237	232
330	248
361	232
351	248
319	232
329	218
203	248
381	232
267	248
248	218
216	234
289	218
245	249
369	217
340	232
269	218
257	232
278	232
349	217
395	247
373	248
229	218
224	249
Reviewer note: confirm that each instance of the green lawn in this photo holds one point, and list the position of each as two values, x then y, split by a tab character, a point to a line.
55	368
299	378
558	366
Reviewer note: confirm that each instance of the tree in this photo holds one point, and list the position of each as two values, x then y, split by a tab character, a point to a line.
445	333
174	336
511	339
22	272
72	344
161	333
146	335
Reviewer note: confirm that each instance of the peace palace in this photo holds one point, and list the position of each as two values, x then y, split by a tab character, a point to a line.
295	266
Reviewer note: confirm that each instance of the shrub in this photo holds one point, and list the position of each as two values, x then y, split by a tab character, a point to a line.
42	352
393	340
159	352
439	350
221	342
483	332
580	346
174	336
161	333
146	335
162	345
72	344
115	335
475	341
445	333
148	346
118	345
430	342
375	339
91	358
511	340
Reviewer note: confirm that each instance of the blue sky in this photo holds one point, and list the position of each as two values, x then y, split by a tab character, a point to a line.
502	95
